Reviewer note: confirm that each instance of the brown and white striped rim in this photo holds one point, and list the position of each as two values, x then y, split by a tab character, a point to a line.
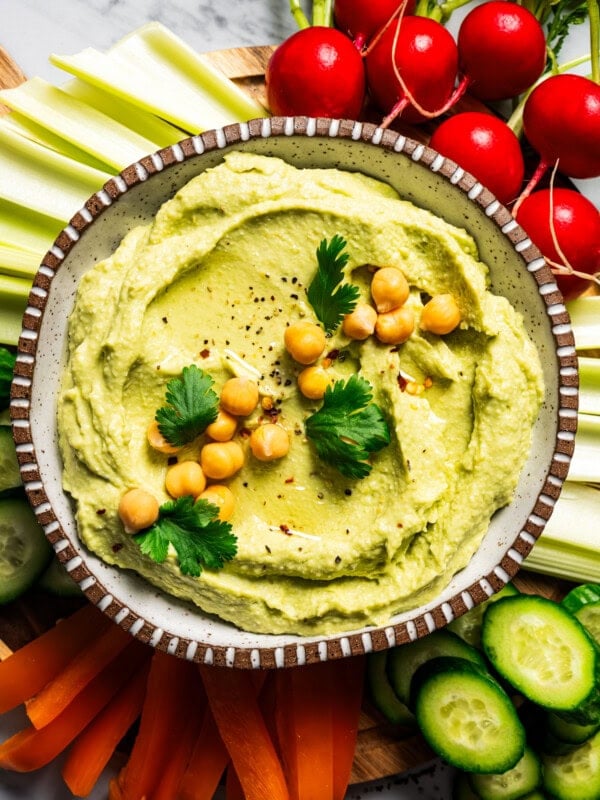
325	647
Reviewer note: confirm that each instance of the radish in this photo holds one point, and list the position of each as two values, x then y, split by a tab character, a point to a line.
561	120
362	20
575	228
412	70
486	147
316	72
502	50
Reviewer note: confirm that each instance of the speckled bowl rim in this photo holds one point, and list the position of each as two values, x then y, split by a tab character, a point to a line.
316	648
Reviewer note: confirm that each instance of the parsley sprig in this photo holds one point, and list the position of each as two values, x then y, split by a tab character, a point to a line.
329	297
348	427
192	406
199	538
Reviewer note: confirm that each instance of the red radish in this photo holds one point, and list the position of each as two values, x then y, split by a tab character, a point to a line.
423	53
576	223
561	120
362	20
502	49
486	147
316	72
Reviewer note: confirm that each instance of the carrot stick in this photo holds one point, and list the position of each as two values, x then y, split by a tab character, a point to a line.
60	692
177	759
347	694
207	763
167	698
305	730
232	699
92	750
29	669
31	748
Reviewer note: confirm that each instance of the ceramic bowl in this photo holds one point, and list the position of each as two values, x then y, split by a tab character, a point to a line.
420	175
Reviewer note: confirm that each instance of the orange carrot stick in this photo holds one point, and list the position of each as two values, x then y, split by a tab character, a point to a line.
167	698
346	695
92	750
59	693
31	748
232	699
30	668
305	730
207	763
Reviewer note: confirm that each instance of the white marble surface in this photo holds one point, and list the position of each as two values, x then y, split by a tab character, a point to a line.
32	29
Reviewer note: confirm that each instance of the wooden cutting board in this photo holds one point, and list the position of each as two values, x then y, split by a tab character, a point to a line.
382	749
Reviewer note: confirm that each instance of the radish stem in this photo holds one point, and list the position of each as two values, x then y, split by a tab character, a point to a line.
594	12
322	13
299	15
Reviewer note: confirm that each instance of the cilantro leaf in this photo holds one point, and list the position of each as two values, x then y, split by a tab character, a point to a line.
330	298
199	539
7	365
348	427
192	406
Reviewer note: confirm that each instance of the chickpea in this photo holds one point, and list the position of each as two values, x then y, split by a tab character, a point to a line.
138	509
389	289
313	381
441	314
222	497
360	324
269	442
185	477
223	428
239	396
221	460
158	442
304	341
396	326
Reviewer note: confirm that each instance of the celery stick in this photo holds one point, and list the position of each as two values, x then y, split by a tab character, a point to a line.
158	72
569	546
43	180
13	297
22	227
585	320
36	133
78	123
148	125
17	262
585	464
589	389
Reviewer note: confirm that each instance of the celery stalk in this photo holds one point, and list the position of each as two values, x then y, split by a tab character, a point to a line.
148	125
156	71
589	389
17	262
24	228
78	123
42	180
569	546
585	464
585	320
36	133
13	297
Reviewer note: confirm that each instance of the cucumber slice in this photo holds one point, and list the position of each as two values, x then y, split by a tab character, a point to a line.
24	551
466	717
584	603
403	661
56	580
468	626
576	775
10	476
523	778
569	732
381	693
542	651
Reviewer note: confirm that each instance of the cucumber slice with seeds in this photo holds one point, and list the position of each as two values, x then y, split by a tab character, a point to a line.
523	778
24	551
584	603
542	651
466	717
576	775
10	476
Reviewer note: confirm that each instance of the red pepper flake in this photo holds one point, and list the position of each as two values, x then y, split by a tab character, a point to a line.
100	511
285	529
333	354
116	547
289	480
205	353
402	382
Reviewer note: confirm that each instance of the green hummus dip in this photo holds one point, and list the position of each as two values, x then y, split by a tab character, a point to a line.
213	281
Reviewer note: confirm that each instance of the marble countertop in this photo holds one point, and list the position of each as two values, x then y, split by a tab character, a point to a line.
32	29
